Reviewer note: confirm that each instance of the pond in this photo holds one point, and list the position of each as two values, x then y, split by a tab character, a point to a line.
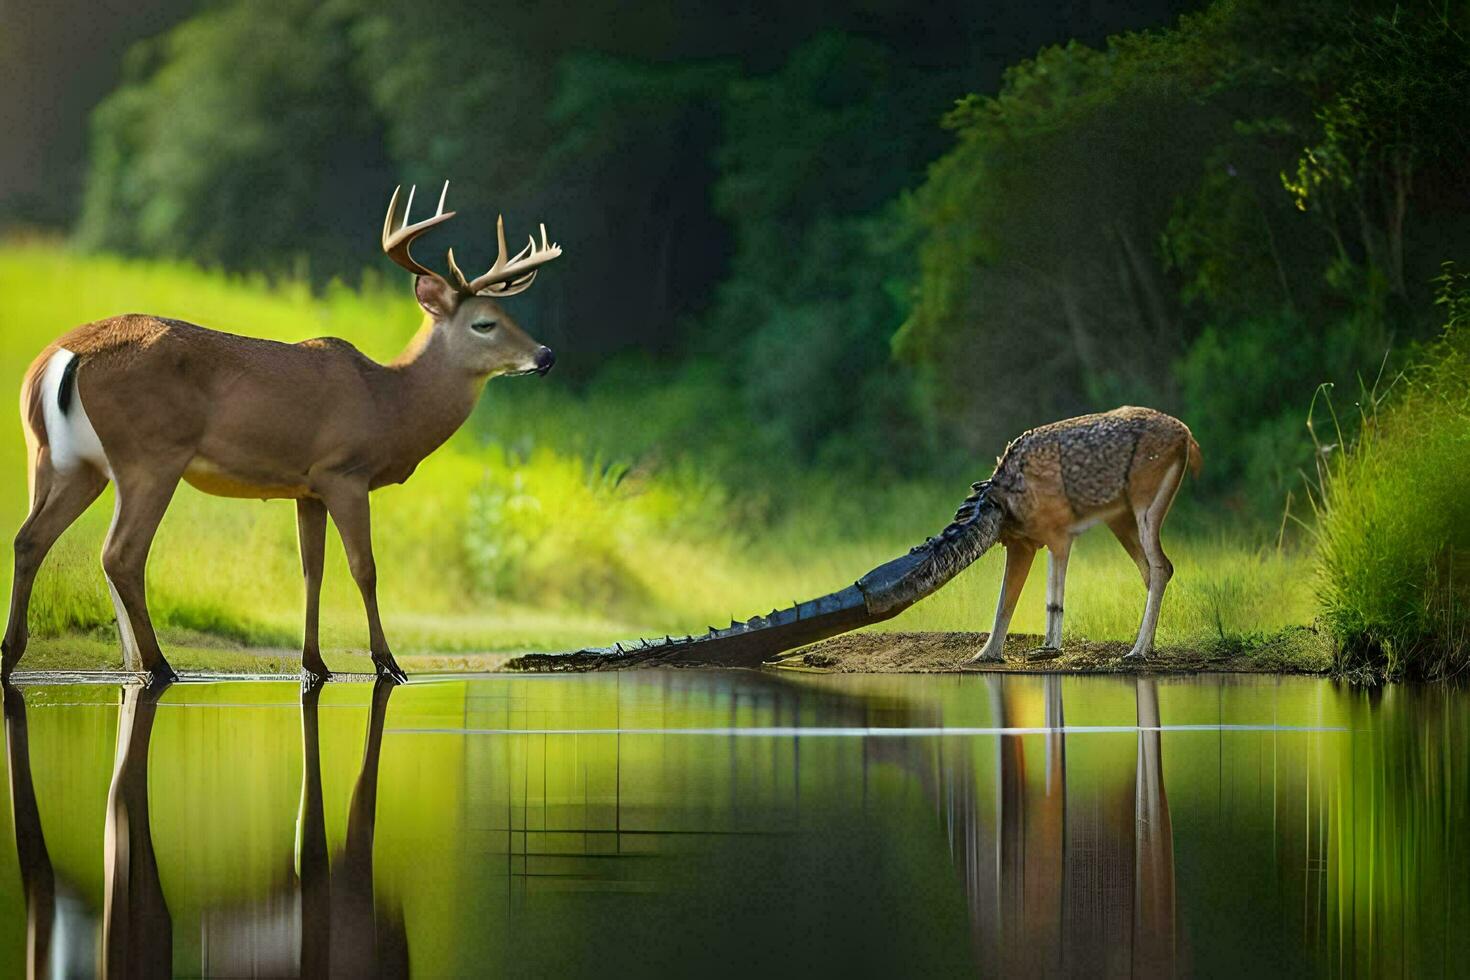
723	822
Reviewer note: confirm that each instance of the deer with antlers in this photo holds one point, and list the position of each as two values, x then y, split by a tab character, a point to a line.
145	401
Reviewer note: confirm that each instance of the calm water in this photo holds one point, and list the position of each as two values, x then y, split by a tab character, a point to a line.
685	822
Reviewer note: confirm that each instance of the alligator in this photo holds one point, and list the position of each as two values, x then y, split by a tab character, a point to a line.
1121	468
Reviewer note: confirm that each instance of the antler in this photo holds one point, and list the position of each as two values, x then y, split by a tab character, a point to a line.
396	243
508	276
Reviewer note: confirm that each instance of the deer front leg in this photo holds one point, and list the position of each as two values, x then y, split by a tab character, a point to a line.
1056	586
1018	566
311	534
347	502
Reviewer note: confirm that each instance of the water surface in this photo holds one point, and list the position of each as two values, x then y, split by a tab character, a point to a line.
688	822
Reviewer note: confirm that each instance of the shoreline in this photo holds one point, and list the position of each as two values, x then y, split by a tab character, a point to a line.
1296	650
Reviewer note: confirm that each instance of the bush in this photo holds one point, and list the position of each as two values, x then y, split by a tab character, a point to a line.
560	530
1393	517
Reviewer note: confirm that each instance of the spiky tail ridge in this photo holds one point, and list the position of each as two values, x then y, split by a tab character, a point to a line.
881	594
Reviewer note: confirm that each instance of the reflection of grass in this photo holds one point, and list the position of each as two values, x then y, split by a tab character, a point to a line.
540	535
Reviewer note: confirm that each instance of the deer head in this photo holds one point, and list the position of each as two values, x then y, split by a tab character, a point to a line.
476	329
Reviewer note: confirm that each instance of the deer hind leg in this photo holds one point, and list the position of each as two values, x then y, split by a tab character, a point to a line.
348	505
1125	529
1150	520
1018	565
1056	586
311	534
142	498
59	499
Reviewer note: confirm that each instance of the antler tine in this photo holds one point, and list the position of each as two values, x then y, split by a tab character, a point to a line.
396	244
510	274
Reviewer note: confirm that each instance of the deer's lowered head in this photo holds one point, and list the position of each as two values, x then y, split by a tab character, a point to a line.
465	321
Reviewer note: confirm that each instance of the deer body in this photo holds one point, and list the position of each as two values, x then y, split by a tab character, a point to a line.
1120	468
237	412
145	402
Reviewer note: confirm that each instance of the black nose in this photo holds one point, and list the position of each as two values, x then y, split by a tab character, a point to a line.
544	360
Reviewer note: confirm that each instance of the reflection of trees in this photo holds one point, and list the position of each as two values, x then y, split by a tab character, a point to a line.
137	931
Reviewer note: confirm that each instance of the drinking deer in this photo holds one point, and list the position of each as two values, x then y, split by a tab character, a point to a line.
146	401
1120	468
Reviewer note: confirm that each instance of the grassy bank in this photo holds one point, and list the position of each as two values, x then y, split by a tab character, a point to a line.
556	518
1393	517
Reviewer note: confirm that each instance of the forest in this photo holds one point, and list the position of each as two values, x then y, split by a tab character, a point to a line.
829	263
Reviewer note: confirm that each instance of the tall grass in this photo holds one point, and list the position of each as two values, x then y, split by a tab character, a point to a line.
1393	515
556	518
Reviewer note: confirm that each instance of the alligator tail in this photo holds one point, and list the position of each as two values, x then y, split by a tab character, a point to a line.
881	594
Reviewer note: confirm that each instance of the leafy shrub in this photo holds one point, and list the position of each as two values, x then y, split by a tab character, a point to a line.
560	530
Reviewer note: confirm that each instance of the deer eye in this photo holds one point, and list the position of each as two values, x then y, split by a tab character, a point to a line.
483	326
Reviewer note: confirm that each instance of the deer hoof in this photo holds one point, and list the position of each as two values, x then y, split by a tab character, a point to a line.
313	679
159	677
316	672
390	670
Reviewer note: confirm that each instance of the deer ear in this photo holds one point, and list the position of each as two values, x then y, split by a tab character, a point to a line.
436	296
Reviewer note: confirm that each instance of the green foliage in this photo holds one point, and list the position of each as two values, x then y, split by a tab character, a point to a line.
1038	235
1393	518
211	147
1396	119
1113	226
821	255
561	530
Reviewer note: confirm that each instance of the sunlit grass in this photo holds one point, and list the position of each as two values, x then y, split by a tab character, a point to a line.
1394	552
547	535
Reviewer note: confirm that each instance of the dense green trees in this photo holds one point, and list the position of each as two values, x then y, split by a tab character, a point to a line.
1213	215
214	146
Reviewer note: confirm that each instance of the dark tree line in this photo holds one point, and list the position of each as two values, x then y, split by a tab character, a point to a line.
887	238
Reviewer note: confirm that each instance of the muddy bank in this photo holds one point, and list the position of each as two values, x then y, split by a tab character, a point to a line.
1300	650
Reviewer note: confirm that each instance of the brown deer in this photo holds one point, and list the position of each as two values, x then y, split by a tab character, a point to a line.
1119	468
146	401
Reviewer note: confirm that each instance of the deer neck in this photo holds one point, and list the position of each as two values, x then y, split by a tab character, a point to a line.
436	394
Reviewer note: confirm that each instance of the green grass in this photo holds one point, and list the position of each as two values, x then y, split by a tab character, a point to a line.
1393	518
554	519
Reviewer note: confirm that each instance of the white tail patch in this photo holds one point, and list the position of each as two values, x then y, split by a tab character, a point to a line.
70	434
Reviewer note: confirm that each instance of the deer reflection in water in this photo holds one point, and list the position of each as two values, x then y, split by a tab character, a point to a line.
45	915
137	931
354	938
1060	878
343	931
337	925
